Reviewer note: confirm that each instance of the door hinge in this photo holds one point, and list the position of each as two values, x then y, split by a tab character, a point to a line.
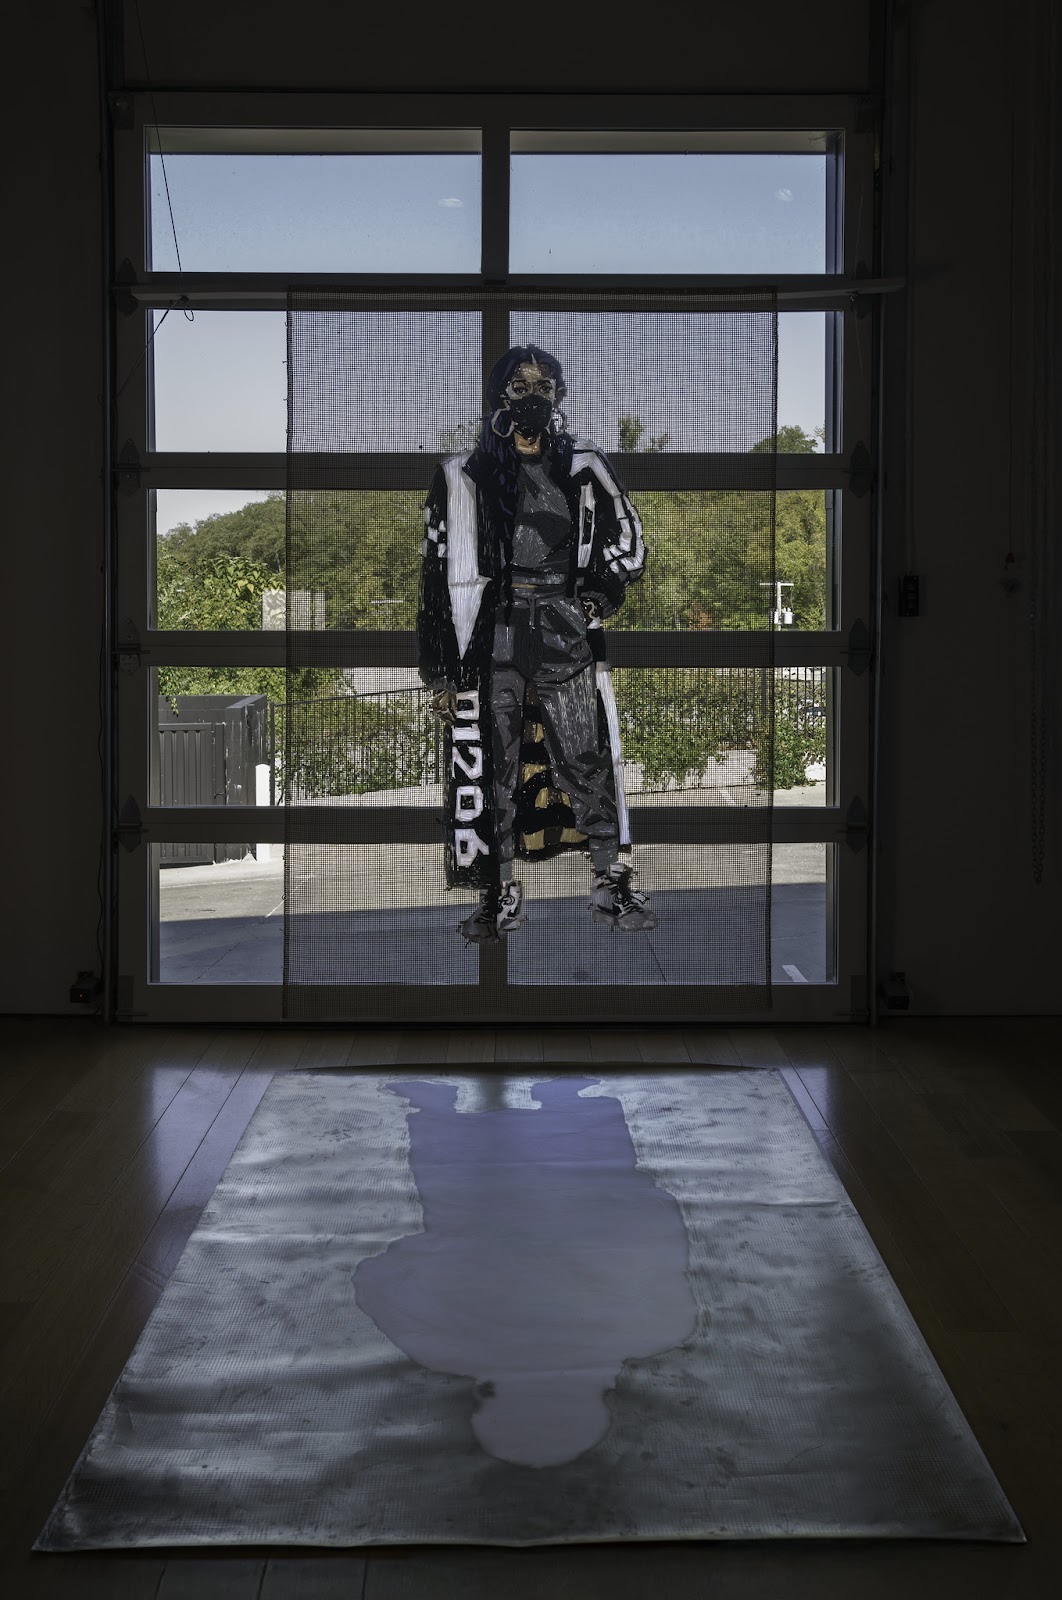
856	825
121	111
127	650
125	997
857	654
124	299
129	830
860	470
127	467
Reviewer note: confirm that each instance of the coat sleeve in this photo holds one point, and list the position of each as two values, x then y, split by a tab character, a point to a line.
433	600
618	553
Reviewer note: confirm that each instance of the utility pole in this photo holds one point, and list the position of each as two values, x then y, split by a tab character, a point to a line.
781	615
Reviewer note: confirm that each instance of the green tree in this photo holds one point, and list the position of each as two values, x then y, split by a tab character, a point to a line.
218	594
630	431
797	741
362	548
709	552
256	530
675	720
791	440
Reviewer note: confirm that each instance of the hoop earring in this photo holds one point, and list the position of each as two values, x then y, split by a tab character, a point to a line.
505	433
558	422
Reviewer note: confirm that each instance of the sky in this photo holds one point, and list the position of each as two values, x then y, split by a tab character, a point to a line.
220	380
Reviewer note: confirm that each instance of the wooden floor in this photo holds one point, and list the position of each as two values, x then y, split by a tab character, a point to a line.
946	1134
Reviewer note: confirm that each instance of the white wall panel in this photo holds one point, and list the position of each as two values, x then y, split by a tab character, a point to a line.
53	513
960	913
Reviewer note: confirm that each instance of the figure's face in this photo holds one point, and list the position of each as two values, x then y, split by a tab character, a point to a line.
530	379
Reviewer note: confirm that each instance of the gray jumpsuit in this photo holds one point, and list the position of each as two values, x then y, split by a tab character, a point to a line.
544	644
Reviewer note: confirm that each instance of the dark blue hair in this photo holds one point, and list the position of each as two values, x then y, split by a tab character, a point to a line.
503	369
499	452
494	464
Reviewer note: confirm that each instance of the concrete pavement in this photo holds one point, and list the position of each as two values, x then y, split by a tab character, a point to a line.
387	918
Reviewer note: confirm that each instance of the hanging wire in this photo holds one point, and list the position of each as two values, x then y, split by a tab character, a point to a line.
183	304
183	301
136	364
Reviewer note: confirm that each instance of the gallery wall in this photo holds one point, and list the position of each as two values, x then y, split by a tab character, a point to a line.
959	911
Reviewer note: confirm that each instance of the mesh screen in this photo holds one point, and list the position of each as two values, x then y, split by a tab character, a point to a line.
655	751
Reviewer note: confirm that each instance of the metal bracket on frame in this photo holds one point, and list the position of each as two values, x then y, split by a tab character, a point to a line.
126	302
129	829
860	470
856	825
127	650
857	654
127	467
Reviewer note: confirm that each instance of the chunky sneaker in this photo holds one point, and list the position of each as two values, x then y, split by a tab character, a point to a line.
615	902
496	914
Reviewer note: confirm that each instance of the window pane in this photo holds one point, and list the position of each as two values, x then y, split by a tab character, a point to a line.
668	212
695	735
697	891
708	566
803	381
220	911
215	748
681	376
690	736
364	212
411	381
220	381
219	565
801	877
184	508
367	737
384	380
361	551
220	560
221	915
221	918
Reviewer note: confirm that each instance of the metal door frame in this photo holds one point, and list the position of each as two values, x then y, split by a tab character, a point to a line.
849	467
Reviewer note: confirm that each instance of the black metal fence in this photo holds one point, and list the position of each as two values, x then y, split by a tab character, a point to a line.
358	744
674	723
210	746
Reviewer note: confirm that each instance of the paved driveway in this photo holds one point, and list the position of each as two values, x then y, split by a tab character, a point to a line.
385	917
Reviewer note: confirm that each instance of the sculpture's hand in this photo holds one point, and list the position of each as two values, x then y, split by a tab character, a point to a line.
444	704
591	607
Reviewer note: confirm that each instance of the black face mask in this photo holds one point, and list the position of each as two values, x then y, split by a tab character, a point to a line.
531	414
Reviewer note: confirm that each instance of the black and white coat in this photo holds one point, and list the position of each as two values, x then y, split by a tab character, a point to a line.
469	515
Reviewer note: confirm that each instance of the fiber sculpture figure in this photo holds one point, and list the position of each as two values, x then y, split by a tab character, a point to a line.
530	541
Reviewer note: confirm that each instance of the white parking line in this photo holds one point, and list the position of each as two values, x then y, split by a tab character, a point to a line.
794	973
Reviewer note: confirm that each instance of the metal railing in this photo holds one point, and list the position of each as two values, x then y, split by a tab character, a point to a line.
357	744
674	723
